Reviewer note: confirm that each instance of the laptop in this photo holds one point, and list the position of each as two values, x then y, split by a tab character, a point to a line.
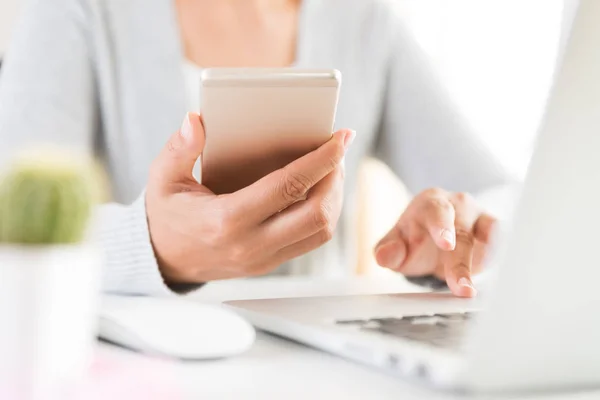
537	327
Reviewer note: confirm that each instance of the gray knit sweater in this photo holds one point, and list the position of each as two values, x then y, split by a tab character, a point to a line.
105	76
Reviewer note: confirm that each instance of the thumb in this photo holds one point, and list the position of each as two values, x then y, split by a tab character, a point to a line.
391	251
175	162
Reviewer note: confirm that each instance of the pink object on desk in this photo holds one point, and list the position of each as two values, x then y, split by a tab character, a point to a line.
141	379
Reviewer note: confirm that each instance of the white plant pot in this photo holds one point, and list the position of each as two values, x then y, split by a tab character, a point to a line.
49	298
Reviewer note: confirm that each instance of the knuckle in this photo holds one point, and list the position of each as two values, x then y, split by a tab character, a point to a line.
172	147
295	185
327	234
331	162
221	228
461	269
328	228
465	237
463	198
335	160
438	204
337	155
239	253
433	192
213	237
321	215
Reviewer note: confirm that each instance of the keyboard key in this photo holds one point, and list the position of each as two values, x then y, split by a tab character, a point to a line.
440	330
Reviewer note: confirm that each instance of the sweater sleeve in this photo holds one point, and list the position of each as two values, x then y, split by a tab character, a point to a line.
424	137
47	88
48	96
130	266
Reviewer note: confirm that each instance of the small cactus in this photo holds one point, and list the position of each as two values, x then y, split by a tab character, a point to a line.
47	199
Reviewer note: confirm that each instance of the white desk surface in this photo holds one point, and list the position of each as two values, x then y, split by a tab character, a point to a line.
276	368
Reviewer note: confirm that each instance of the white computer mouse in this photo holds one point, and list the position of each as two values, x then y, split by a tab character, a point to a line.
174	327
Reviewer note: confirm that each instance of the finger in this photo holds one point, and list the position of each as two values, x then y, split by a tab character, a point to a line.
320	211
391	254
304	246
457	263
390	251
421	261
286	186
176	161
484	227
479	257
437	215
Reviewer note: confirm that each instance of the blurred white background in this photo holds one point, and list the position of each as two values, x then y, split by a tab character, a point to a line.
496	56
8	13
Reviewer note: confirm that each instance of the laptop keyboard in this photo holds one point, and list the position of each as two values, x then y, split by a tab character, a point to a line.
439	330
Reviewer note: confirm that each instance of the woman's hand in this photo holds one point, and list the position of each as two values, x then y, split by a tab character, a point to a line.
198	236
442	234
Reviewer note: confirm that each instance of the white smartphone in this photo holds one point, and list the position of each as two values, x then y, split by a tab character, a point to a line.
259	120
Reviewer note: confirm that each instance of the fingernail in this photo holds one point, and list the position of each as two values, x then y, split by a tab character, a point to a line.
186	127
465	282
349	138
449	236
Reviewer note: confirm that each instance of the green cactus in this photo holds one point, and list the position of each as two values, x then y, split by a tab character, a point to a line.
47	199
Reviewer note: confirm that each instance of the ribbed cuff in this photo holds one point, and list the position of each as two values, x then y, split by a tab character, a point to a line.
130	266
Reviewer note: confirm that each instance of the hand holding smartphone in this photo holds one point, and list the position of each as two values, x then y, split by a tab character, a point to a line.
259	120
